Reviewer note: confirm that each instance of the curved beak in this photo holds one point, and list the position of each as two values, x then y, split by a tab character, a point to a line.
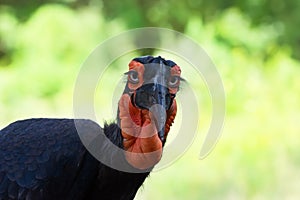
156	99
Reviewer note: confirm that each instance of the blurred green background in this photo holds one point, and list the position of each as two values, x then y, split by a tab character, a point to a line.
255	45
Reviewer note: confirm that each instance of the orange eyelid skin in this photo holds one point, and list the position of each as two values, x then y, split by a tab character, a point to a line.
139	68
134	64
175	71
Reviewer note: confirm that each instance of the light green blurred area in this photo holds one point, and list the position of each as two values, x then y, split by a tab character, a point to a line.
258	154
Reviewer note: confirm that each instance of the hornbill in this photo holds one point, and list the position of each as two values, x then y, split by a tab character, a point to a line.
44	158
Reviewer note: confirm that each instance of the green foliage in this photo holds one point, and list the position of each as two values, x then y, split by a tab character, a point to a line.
282	16
251	43
46	52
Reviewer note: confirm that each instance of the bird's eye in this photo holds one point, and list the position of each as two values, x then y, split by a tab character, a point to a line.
174	81
133	77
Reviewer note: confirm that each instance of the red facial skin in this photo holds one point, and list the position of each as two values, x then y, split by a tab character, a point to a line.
139	68
141	141
175	71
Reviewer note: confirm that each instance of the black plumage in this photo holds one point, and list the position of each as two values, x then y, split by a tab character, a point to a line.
54	164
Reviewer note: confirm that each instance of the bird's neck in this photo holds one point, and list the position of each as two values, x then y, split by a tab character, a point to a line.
141	142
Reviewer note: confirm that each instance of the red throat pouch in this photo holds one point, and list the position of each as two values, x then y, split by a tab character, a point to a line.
142	145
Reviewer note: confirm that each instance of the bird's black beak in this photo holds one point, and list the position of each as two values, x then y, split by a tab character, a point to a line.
151	94
156	99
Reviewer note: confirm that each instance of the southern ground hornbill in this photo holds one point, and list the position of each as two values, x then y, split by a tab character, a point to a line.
45	158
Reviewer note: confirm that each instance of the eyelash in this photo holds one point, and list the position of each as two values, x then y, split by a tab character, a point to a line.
133	77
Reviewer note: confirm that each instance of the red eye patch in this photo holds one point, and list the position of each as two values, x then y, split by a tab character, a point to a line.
139	69
175	71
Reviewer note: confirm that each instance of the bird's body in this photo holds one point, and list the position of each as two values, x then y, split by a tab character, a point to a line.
43	159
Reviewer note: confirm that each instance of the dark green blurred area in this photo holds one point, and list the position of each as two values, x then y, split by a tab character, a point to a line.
283	16
254	44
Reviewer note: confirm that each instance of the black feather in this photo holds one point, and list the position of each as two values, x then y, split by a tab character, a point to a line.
45	159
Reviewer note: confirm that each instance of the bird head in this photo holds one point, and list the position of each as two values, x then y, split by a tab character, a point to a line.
148	108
